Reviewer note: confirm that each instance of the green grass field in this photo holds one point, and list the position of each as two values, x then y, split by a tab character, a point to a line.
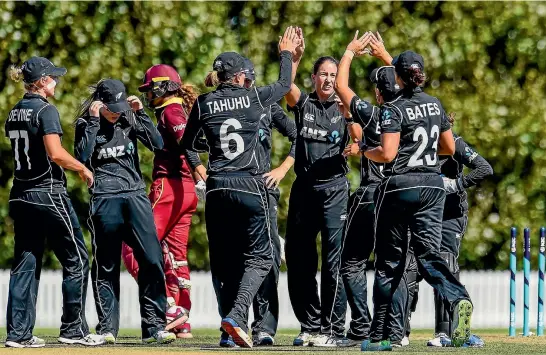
206	342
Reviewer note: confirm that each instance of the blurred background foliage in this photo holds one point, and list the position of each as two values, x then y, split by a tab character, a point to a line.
485	61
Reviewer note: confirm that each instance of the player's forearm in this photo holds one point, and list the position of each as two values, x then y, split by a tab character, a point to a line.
379	155
147	132
62	158
342	79
287	164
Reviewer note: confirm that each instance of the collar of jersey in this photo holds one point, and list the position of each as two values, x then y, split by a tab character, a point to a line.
173	100
30	95
314	96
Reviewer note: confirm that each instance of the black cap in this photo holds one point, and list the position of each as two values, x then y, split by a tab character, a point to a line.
248	69
406	60
228	64
112	93
38	67
385	80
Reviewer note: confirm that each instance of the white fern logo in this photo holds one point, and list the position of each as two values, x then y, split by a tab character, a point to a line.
118	96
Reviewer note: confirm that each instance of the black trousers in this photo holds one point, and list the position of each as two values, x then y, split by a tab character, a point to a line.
452	232
240	243
38	216
126	217
266	301
357	247
414	201
312	210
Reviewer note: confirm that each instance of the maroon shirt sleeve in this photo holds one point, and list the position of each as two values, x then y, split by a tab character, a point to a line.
175	120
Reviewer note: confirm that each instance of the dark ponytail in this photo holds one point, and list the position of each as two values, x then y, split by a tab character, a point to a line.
451	118
414	77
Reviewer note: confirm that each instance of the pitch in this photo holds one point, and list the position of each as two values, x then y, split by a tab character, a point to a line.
205	342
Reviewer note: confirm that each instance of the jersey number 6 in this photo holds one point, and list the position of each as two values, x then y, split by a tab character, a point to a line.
225	139
420	134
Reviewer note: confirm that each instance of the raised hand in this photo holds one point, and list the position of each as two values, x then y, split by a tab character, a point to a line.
94	109
289	41
376	46
135	103
358	45
301	48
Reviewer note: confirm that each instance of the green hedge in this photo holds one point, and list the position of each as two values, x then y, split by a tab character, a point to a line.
483	61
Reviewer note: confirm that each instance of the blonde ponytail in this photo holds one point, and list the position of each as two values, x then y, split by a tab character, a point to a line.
16	73
212	79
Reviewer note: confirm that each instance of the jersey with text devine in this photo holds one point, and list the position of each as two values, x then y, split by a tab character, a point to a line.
419	118
28	122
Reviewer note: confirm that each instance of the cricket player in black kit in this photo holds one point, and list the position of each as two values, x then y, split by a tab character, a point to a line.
237	209
414	130
41	209
318	203
455	221
107	130
266	301
363	125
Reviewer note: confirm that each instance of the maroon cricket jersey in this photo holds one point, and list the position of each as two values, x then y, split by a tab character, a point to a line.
171	123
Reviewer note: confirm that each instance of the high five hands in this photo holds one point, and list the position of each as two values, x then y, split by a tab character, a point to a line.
369	43
292	41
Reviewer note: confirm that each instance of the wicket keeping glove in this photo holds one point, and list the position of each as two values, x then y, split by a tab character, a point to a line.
201	190
452	185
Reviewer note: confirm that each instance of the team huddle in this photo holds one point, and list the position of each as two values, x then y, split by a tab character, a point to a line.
410	209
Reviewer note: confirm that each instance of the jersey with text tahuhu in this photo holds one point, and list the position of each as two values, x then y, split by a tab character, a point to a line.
230	119
420	119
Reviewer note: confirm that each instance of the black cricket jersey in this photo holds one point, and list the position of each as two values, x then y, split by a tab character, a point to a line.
28	122
367	116
274	117
322	137
420	118
452	167
230	119
110	150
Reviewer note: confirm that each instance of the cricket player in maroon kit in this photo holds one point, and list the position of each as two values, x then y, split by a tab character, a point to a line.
173	191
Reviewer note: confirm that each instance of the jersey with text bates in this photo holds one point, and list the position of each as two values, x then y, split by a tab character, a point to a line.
28	122
367	116
420	119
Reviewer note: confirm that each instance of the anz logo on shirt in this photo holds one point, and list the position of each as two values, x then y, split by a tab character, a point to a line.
320	135
261	134
116	152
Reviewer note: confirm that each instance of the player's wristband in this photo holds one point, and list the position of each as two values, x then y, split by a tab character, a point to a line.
362	145
350	119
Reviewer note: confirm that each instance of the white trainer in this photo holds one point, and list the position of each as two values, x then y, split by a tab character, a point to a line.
302	339
109	338
440	340
323	340
88	340
33	342
161	337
